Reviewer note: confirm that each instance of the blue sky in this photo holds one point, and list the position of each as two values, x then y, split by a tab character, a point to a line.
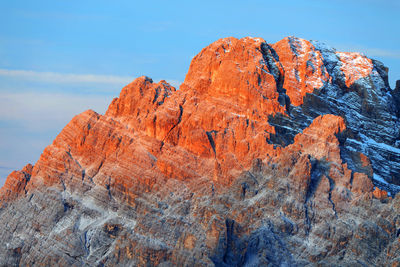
59	58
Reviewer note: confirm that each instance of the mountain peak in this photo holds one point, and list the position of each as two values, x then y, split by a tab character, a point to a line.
241	98
262	147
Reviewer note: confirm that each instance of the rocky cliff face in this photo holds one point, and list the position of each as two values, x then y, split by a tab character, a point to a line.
278	154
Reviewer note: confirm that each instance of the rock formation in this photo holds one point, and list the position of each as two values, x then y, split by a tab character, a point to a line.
282	154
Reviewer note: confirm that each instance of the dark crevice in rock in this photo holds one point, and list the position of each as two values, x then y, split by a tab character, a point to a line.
294	43
285	130
244	188
67	206
269	55
331	187
227	258
287	127
229	251
62	183
17	255
27	177
98	168
266	248
211	140
318	169
351	178
108	187
307	218
175	125
161	146
156	95
382	71
86	242
396	96
71	256
346	154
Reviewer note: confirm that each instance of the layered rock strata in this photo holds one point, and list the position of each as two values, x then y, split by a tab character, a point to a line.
278	154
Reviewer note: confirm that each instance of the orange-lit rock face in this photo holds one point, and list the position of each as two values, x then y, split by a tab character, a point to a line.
354	66
97	150
255	154
228	93
319	139
215	126
15	184
138	101
380	194
319	142
303	65
244	72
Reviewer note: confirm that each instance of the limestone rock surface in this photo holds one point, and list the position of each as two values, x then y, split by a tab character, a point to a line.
284	154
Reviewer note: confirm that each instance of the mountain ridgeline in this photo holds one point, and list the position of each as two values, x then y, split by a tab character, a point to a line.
284	154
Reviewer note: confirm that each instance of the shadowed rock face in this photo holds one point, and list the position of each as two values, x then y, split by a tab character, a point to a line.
278	154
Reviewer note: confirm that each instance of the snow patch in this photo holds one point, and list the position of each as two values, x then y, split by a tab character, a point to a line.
379	178
381	146
238	115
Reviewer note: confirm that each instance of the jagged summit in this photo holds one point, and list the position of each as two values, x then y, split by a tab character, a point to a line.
262	147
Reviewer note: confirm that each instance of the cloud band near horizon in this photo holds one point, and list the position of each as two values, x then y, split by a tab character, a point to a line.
65	78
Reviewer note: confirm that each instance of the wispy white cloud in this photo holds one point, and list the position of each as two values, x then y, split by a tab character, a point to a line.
70	78
3	176
29	121
54	77
31	117
369	51
41	111
376	52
